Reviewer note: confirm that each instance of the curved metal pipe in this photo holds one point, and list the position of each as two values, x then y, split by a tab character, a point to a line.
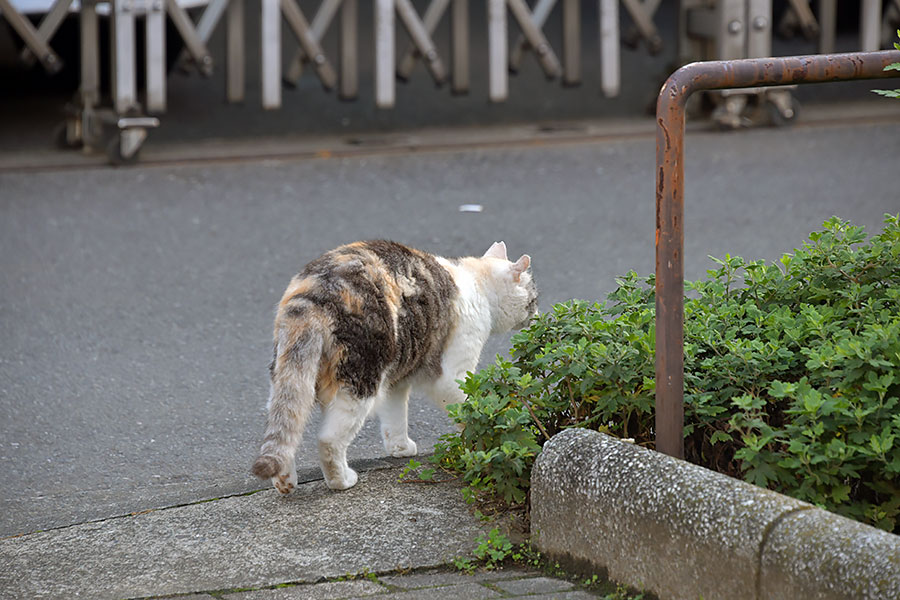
713	75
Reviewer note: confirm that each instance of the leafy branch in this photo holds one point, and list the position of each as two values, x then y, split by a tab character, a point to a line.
891	67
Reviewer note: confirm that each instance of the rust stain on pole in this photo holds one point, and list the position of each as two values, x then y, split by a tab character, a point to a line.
714	75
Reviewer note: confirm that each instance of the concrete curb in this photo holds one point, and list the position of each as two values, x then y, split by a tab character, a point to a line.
682	531
428	139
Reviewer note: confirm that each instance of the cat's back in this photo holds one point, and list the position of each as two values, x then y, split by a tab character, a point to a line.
372	273
388	307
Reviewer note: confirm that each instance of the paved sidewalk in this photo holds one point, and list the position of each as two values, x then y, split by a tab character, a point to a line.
313	544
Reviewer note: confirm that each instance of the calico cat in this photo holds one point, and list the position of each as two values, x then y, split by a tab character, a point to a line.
364	323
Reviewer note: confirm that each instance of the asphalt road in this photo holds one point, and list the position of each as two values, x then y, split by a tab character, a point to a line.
136	304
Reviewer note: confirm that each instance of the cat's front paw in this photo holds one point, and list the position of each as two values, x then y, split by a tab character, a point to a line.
347	480
401	449
285	483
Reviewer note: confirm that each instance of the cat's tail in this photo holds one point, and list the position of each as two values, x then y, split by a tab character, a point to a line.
294	372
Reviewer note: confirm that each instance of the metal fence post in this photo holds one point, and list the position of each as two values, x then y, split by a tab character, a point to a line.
270	54
459	32
713	75
349	85
124	85
384	54
497	50
155	40
610	77
234	81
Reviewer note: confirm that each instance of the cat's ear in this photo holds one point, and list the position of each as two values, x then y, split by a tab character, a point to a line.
497	250
520	266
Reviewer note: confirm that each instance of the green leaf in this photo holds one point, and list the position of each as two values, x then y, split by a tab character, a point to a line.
761	474
840	493
779	389
719	436
812	400
875	443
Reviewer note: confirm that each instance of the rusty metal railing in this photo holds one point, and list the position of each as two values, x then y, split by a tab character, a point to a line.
714	75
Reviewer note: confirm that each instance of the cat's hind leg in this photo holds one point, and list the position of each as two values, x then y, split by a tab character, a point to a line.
277	458
392	412
286	481
342	419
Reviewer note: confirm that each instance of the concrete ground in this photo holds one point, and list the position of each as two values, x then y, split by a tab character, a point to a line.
382	539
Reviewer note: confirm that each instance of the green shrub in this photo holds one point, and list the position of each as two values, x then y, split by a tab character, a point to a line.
792	377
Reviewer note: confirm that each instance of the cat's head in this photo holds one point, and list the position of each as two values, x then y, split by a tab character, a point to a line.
515	295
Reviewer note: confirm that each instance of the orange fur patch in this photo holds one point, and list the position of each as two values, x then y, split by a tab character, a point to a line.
343	258
480	267
297	287
353	302
327	384
378	274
